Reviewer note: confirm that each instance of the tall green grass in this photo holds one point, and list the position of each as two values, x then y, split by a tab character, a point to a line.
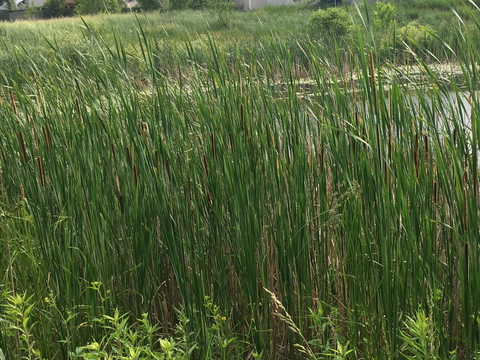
186	193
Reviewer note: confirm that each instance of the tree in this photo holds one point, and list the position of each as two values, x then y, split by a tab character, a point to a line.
329	23
97	6
152	5
11	4
54	9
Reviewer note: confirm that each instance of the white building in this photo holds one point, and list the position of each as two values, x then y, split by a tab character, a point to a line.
255	4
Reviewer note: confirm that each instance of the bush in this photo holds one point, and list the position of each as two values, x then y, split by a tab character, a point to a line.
54	9
417	35
223	10
97	6
384	15
332	22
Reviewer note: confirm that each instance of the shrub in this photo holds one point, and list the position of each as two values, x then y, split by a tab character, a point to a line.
332	22
54	9
384	15
97	6
417	35
223	10
181	4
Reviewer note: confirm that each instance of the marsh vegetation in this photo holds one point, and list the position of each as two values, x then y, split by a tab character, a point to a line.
199	203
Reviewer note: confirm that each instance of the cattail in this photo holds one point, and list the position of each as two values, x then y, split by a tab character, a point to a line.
22	192
466	261
40	170
209	199
23	147
189	187
268	137
34	132
435	192
242	116
158	162
3	155
128	155
49	136
385	172
426	145
390	148
356	124
205	163
378	146
213	145
231	143
78	109
45	137
135	172
415	161
168	170
454	137
113	152
120	197
374	89
364	137
321	158
14	105
464	195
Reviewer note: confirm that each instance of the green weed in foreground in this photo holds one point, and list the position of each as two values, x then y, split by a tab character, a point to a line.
221	211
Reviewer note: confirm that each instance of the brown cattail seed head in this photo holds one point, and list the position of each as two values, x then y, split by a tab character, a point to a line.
3	155
45	137
113	152
168	170
22	143
135	172
205	163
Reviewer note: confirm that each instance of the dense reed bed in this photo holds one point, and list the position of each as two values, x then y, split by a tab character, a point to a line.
230	210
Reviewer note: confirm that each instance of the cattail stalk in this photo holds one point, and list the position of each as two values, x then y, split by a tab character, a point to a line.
136	176
205	163
40	170
426	146
168	170
14	105
466	262
34	132
415	161
120	197
378	145
22	142
242	116
231	143
464	195
128	156
49	136
373	81
268	136
213	145
78	109
113	152
45	137
364	137
189	187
